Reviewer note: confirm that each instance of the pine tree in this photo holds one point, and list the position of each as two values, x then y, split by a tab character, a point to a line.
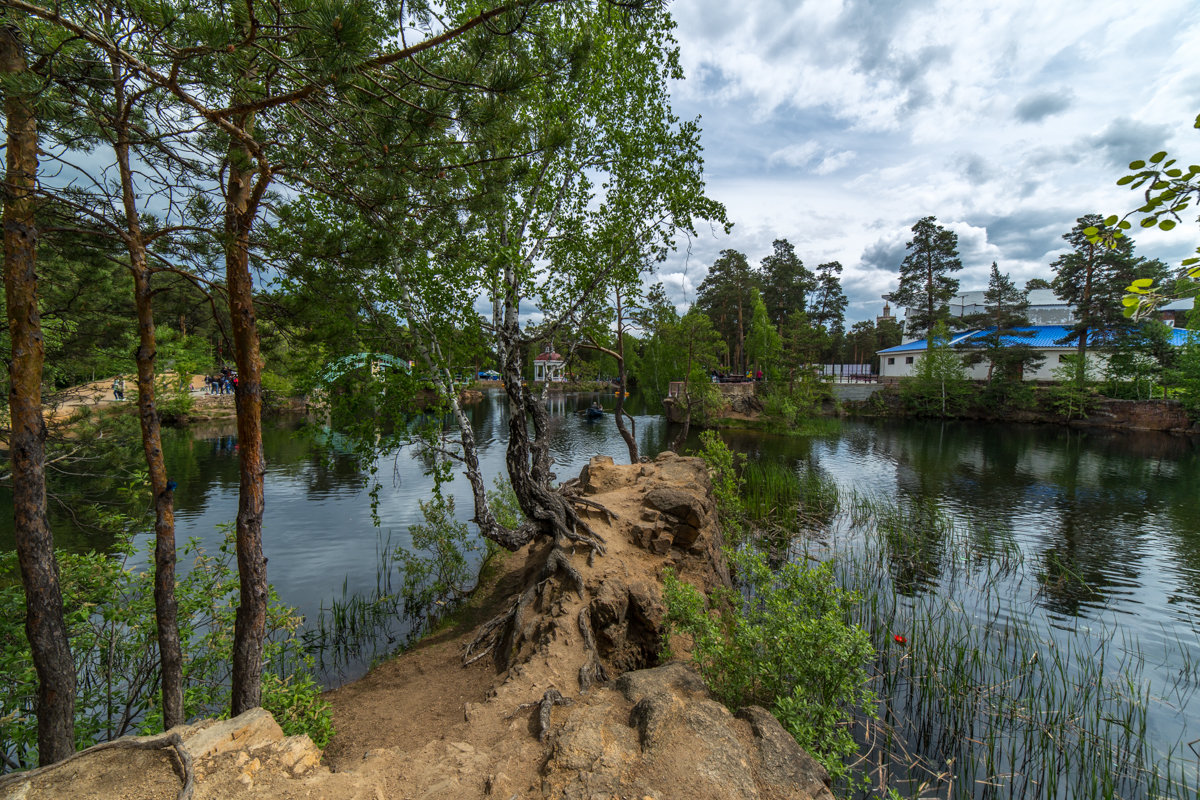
787	283
1000	345
926	283
724	297
1092	277
827	306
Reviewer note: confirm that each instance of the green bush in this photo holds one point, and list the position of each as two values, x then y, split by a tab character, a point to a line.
1072	396
786	646
723	468
788	404
109	610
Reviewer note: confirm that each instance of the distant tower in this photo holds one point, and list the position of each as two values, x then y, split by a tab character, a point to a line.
887	311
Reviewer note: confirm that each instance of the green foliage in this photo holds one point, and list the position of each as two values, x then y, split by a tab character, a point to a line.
1072	395
1136	364
277	385
295	702
803	343
660	354
182	356
723	469
785	645
97	477
442	564
939	386
1186	376
787	405
763	345
725	297
1001	346
1008	394
109	611
926	281
175	401
504	504
787	283
827	308
1168	191
1093	277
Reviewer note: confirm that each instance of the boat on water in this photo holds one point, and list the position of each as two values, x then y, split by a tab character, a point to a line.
595	412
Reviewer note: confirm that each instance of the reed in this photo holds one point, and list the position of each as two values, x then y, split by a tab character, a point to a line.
789	498
986	695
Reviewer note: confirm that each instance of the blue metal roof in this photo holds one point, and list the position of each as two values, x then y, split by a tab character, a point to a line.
1040	336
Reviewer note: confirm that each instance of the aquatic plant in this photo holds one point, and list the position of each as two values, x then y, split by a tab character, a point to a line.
982	693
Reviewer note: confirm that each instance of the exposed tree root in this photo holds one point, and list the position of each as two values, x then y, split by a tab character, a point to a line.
504	635
592	505
550	699
170	741
593	670
553	697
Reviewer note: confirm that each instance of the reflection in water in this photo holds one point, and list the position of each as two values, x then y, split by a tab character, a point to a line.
1111	520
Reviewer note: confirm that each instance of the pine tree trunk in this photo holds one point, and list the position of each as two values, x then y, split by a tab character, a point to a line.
165	606
44	624
251	621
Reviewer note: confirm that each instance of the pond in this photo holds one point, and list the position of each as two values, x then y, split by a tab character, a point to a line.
1056	532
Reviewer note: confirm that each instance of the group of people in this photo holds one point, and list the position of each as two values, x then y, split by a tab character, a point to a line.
118	388
721	377
224	383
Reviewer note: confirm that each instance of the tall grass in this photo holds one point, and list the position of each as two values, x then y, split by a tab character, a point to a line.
776	495
982	694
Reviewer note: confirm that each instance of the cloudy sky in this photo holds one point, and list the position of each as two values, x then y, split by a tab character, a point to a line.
838	124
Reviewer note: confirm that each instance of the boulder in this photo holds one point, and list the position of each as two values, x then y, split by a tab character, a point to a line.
675	741
684	504
603	475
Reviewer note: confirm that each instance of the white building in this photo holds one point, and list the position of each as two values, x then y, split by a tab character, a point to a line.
548	367
901	361
1044	309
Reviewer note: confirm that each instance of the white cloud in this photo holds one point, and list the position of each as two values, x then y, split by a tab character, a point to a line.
838	125
834	162
795	155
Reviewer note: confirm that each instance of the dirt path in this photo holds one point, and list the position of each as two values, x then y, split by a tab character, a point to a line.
421	694
98	394
568	704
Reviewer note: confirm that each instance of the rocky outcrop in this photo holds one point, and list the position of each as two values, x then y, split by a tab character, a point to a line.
248	755
566	700
657	733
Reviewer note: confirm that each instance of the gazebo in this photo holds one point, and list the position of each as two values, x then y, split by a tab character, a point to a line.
548	366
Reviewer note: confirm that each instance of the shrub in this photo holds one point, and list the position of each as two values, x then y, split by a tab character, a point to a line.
109	610
789	404
1072	396
723	467
786	645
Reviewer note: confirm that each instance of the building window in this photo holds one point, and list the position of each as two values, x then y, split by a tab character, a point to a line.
891	361
908	359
